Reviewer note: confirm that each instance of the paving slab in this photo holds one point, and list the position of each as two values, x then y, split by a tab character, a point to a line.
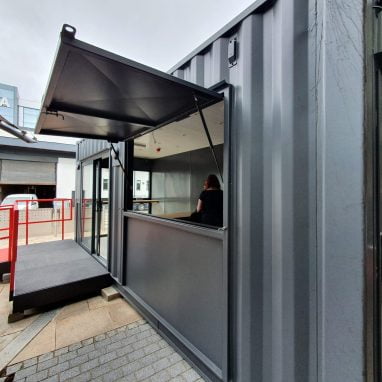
147	357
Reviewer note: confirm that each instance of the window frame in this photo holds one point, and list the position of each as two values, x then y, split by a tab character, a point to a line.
226	90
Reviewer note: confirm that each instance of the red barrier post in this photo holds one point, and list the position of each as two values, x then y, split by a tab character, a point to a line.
10	242
62	219
13	249
26	221
8	208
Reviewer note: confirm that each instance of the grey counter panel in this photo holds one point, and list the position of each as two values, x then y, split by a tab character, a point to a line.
179	274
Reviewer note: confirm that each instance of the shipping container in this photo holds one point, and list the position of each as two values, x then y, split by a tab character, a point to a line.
282	106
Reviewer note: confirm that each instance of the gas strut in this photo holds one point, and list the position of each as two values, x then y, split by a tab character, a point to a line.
208	136
116	153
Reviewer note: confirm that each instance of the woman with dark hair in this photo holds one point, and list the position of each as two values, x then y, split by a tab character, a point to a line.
210	203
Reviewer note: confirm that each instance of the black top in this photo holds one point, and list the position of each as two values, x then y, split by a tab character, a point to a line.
212	208
97	94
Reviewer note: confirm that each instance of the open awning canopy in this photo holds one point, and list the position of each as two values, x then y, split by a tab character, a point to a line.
93	93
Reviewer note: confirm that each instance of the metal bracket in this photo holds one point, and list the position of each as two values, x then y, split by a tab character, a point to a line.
378	59
55	113
68	31
232	52
116	153
377	6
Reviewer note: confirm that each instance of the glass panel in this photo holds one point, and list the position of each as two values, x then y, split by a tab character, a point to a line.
30	117
87	206
185	180
103	209
141	192
105	184
8	103
97	205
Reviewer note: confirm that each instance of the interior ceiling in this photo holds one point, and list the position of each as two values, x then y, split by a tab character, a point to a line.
182	136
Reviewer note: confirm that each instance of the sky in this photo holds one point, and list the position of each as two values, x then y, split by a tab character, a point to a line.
158	33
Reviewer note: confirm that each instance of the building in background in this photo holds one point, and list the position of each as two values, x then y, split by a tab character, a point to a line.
46	168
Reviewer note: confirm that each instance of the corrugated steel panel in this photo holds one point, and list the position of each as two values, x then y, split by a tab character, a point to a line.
298	88
117	184
297	187
270	245
89	147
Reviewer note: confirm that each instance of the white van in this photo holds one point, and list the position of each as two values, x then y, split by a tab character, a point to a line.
12	198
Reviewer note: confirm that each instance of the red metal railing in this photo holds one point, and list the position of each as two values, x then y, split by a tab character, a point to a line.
62	218
5	253
13	226
84	207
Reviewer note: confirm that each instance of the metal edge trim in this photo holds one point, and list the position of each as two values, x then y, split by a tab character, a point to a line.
127	292
187	227
257	7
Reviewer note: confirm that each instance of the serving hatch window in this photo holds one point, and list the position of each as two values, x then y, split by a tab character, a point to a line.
176	173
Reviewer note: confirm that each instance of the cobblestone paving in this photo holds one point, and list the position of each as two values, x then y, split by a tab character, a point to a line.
131	353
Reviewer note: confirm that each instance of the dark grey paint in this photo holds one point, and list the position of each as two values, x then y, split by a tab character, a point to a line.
183	284
91	147
97	94
116	222
298	87
296	197
53	264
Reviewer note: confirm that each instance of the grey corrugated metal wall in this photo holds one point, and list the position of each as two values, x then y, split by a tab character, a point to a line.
297	177
90	147
272	168
340	185
86	149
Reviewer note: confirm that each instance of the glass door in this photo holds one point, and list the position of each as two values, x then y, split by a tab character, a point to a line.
95	207
378	265
101	208
87	206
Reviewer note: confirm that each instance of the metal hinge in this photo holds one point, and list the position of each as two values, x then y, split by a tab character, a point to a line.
68	31
377	5
232	52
